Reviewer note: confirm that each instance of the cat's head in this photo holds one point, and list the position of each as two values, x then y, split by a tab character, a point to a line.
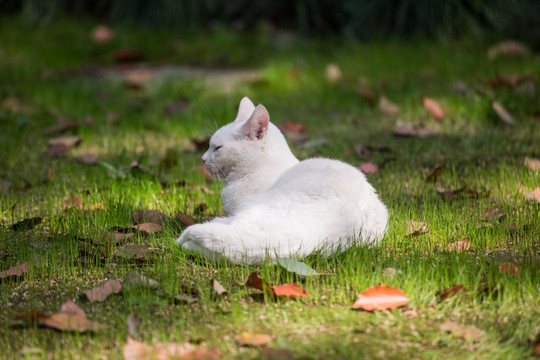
239	145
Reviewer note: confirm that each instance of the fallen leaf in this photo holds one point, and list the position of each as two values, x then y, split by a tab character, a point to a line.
459	246
333	73
433	108
71	322
381	297
136	350
251	339
295	266
449	292
185	220
16	270
509	269
534	195
88	159
135	279
133	251
102	34
533	164
408	130
416	228
60	145
133	322
69	307
368	168
26	224
217	287
292	291
388	107
434	174
467	332
493	214
510	81
503	114
507	47
127	55
100	293
255	281
461	193
409	312
148	228
148	216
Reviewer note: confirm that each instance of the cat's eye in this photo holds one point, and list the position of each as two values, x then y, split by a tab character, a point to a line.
218	147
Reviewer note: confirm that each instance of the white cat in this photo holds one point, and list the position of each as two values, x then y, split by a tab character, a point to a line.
277	205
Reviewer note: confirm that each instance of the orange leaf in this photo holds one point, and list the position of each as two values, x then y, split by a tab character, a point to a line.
249	339
381	297
433	108
509	268
290	291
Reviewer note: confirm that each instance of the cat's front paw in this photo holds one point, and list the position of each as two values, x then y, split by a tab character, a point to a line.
194	239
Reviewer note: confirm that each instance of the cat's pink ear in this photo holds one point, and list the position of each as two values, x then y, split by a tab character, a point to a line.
245	109
257	125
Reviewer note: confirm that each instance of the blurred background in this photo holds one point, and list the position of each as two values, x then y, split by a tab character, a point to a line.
361	19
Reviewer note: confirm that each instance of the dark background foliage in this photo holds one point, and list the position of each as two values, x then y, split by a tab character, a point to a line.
363	19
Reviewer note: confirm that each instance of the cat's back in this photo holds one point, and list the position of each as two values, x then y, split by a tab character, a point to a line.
321	176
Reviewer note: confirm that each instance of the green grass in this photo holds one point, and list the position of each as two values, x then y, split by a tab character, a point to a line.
44	70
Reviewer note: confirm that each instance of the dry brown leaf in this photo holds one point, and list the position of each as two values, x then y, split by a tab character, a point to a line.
217	287
333	73
255	281
449	292
493	214
416	228
136	350
148	216
60	145
251	339
407	130
503	114
459	246
433	108
100	293
467	332
69	307
388	107
148	228
381	297
368	168
16	270
71	322
509	269
507	47
133	322
185	220
185	299
533	164
434	174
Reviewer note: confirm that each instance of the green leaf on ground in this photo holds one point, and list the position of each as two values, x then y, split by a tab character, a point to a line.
296	267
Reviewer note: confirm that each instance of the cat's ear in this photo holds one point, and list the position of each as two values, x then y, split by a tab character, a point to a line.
245	109
257	125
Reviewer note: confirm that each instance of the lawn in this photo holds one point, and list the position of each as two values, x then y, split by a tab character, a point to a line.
87	139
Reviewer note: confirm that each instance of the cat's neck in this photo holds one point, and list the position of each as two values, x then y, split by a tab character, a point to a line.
247	179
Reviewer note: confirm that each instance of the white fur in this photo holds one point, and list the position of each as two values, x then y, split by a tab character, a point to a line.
276	205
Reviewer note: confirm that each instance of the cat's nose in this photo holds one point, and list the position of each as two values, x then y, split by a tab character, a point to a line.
204	159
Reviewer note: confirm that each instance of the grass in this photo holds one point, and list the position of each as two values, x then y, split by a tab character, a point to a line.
44	72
